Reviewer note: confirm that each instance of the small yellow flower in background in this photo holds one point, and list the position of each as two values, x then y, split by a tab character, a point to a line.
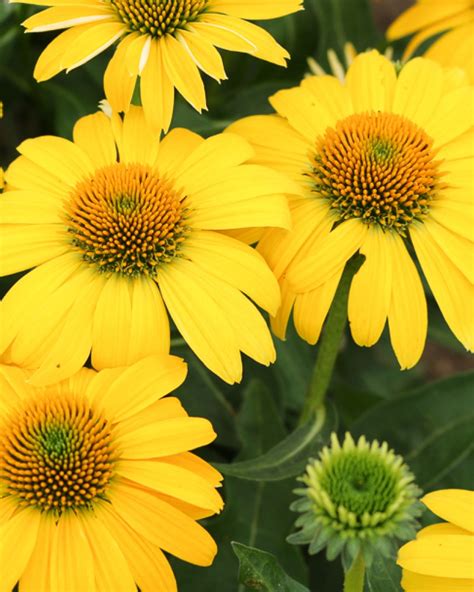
441	559
428	18
167	44
385	163
116	223
96	480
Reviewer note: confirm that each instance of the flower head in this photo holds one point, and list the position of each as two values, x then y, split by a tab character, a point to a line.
166	43
428	18
96	480
358	498
442	556
383	158
116	226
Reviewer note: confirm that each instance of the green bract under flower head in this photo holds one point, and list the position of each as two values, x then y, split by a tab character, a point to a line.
358	498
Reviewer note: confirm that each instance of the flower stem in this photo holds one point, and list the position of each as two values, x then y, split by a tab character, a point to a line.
355	576
330	341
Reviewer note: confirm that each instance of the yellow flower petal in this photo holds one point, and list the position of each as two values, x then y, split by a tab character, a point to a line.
94	39
453	505
18	538
157	90
25	246
237	264
183	72
149	566
119	82
23	173
249	9
203	325
149	379
164	525
203	54
149	324
172	480
331	256
311	309
418	90
112	323
371	81
450	287
65	160
93	134
371	289
111	568
414	582
169	437
407	313
442	556
266	48
36	575
71	559
137	143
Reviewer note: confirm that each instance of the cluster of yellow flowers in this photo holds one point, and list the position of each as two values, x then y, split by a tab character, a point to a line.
122	229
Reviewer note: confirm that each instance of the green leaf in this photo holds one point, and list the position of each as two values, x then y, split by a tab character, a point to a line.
260	570
430	426
290	456
383	575
342	21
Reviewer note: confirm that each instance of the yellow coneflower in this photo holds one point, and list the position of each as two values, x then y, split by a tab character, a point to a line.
114	225
441	559
385	163
96	480
167	44
428	18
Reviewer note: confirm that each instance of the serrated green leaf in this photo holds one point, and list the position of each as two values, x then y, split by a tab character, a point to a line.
260	570
430	426
290	456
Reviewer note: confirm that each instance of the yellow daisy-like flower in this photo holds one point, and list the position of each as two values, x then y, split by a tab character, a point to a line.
114	224
454	19
385	162
166	43
441	559
96	480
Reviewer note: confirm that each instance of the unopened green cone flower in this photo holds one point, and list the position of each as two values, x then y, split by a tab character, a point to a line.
358	499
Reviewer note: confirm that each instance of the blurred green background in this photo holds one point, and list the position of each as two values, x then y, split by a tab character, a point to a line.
425	413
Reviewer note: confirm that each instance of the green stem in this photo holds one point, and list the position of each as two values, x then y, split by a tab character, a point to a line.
330	342
355	577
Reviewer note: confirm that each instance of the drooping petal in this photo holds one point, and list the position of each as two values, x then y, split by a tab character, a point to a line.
164	525
371	289
112	571
407	313
452	290
17	542
147	563
71	559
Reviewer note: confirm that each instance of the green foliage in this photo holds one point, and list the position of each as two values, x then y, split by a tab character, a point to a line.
261	571
290	456
431	427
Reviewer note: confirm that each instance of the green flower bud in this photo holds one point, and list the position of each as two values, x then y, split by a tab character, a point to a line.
359	498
